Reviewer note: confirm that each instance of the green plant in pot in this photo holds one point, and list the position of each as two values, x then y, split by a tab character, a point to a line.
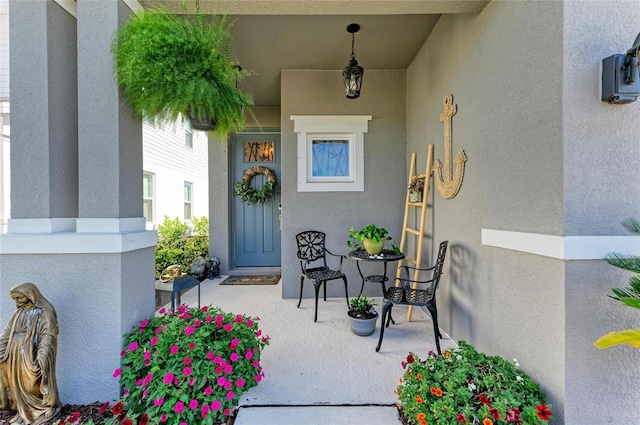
362	315
176	66
371	238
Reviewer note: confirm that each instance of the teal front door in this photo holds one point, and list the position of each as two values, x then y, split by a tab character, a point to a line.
256	228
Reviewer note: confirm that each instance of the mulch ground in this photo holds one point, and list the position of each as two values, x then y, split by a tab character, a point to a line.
87	412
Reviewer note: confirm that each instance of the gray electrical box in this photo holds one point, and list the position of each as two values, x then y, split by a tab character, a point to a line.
614	73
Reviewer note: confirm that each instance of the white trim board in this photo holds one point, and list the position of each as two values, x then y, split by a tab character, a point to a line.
562	247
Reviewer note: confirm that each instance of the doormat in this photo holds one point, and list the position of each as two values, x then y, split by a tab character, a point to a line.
263	279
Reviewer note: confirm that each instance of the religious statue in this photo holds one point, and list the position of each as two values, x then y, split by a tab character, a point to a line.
28	348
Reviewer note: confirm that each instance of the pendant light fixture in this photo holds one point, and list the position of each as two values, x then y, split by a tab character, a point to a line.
352	74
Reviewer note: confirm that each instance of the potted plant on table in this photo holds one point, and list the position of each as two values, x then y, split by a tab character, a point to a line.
362	315
370	237
179	66
463	386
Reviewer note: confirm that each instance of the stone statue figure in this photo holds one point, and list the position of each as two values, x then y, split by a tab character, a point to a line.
28	348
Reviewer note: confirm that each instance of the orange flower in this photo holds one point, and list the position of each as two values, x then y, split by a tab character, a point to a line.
438	392
447	354
409	372
401	380
419	399
421	416
487	421
419	376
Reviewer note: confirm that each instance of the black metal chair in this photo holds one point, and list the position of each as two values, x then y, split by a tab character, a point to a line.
405	294
311	249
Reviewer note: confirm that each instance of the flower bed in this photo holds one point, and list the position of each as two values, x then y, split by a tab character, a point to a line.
462	386
187	367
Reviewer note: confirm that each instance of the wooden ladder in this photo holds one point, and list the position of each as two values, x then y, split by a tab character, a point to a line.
415	260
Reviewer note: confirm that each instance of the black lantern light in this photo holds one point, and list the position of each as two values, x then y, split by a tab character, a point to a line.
352	74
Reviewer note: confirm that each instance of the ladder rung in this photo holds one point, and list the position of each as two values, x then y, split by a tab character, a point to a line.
412	231
410	260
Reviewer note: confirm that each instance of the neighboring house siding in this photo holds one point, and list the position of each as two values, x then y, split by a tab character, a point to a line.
172	163
4	50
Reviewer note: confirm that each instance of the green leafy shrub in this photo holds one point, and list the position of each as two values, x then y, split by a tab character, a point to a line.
190	366
462	386
178	244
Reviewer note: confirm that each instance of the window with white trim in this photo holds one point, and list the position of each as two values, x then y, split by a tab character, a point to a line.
188	200
188	134
148	181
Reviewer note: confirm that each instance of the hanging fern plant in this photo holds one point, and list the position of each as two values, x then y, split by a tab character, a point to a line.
176	66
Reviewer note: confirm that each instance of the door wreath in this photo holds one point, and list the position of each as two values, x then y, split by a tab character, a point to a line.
248	194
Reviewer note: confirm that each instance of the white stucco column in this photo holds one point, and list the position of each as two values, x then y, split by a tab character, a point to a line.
77	229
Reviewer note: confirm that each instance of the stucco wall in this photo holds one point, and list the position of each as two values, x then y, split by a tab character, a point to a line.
382	202
503	69
601	188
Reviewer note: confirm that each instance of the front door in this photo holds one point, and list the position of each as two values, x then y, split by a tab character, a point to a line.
256	228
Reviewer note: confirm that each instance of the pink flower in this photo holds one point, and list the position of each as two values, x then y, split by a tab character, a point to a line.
234	357
249	355
174	349
210	355
192	381
193	404
187	361
163	418
227	412
144	323
205	411
258	333
158	402
148	379
162	310
228	327
228	385
217	360
190	330
160	329
147	355
256	364
230	395
179	407
208	391
219	370
197	323
117	372
192	345
239	318
133	346
215	405
187	371
228	369
168	378
258	378
240	383
222	380
208	319
249	323
204	309
234	343
154	341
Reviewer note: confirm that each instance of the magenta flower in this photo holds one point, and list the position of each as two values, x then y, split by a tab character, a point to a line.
234	357
208	391
228	327
249	323
168	378
133	346
208	319
258	378
179	407
187	371
217	360
210	355
154	341
204	309
258	333
205	411
192	381
222	380
230	395
148	379
174	349
219	370
144	323
234	343
117	372
228	385
163	418
160	329
162	310
158	402
227	412
192	345
187	361
215	405
228	369
197	323
240	383
190	330
249	355
256	364
193	404
147	355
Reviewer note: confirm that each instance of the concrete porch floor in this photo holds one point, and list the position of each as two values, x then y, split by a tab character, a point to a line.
320	373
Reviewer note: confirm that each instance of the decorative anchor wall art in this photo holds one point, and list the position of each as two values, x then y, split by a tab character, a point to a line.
449	184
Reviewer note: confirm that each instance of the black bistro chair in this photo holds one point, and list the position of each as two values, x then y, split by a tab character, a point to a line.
423	296
311	249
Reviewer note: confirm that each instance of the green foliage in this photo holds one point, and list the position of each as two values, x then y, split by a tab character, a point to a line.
362	306
189	366
180	65
370	231
468	387
628	296
178	245
256	197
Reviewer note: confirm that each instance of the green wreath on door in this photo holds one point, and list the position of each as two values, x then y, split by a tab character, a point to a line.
251	196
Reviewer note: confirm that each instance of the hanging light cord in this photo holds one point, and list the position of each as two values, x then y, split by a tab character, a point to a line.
353	42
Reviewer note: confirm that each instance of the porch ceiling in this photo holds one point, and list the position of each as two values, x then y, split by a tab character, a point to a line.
271	35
